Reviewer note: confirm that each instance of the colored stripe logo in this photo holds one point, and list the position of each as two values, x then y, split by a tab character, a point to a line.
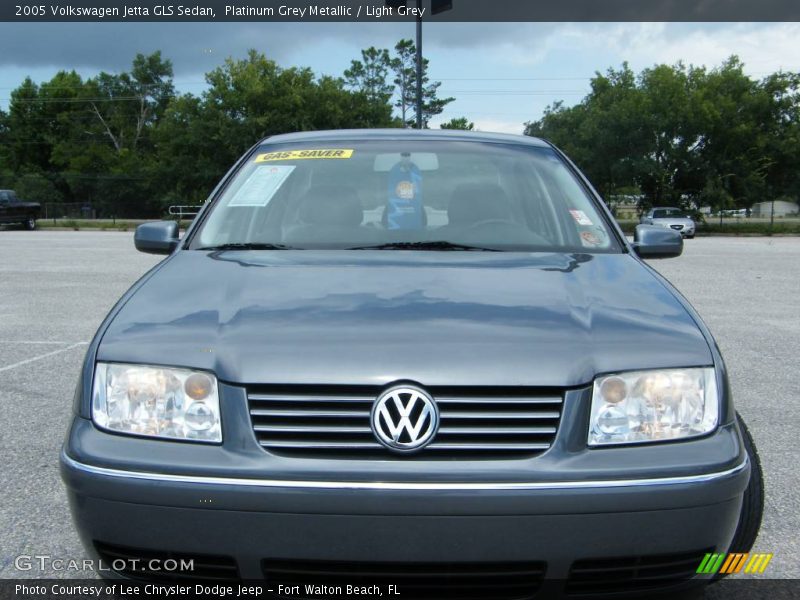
735	562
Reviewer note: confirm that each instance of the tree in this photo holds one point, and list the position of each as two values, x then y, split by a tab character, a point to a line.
246	100
458	123
369	75
684	135
104	150
405	79
40	116
128	104
604	134
28	147
6	173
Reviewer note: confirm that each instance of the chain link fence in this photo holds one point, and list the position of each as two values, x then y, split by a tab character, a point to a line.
68	210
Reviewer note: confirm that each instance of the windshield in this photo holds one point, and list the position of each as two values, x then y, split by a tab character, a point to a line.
410	194
666	213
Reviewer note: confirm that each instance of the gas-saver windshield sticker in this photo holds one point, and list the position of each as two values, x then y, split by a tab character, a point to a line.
261	185
580	217
305	154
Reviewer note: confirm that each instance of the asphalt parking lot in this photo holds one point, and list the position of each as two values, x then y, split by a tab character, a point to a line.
56	287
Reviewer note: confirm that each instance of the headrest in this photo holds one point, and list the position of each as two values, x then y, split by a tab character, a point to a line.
475	202
332	205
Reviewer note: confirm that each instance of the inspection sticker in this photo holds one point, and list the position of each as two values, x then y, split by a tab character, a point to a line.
305	154
261	185
590	240
580	217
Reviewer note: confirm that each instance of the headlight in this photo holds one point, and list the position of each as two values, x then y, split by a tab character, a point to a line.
653	406
156	402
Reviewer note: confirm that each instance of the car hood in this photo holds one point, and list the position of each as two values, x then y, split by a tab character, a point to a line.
373	317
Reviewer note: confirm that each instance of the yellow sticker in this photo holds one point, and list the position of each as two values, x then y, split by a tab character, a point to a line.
305	154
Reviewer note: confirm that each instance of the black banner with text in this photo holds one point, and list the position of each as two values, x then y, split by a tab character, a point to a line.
380	10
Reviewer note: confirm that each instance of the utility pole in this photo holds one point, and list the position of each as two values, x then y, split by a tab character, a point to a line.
419	64
437	6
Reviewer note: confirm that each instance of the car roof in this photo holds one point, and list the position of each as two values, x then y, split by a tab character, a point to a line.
405	134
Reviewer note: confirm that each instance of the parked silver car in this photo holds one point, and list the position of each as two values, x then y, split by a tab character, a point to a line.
671	217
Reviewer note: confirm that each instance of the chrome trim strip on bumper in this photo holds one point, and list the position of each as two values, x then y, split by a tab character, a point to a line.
401	486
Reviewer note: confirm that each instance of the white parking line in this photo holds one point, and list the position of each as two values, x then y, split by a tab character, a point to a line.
30	342
41	356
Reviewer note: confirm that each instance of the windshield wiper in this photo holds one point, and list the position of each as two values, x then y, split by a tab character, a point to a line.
436	245
248	246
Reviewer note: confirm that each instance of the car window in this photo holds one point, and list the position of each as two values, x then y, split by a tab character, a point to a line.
356	194
664	213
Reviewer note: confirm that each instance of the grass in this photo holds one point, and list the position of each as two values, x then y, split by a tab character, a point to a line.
729	226
752	226
777	228
95	224
90	224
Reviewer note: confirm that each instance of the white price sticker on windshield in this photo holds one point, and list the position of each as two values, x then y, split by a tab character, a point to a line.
580	217
261	185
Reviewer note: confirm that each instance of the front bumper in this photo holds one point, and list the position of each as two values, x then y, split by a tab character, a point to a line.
566	505
253	521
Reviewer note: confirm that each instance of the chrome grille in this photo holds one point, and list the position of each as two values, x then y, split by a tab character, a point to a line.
473	421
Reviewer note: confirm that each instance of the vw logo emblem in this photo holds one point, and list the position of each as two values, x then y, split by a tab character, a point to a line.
404	419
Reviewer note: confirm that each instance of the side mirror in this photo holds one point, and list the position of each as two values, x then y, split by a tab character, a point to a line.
652	241
160	237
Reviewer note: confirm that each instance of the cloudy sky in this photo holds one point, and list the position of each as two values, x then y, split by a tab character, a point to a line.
502	74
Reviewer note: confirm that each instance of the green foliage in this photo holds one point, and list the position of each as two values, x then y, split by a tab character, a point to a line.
35	185
369	75
748	228
684	135
458	123
404	67
199	138
6	174
128	145
734	227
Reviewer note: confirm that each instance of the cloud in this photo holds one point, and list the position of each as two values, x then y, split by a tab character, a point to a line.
193	47
498	126
502	74
764	47
197	47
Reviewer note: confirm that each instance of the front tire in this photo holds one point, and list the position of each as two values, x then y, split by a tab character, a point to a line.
29	224
753	501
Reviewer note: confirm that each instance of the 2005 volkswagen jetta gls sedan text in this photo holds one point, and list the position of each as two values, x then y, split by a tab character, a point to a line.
425	359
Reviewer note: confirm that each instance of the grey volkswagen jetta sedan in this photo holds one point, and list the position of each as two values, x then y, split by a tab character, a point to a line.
423	359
